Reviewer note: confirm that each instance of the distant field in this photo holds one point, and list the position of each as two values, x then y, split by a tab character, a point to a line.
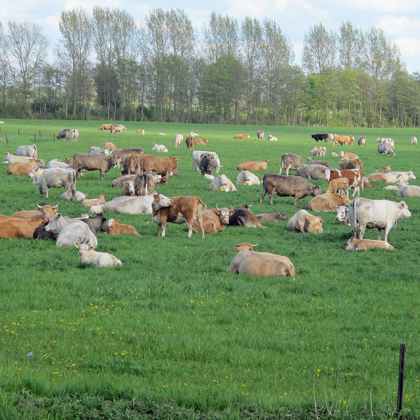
172	325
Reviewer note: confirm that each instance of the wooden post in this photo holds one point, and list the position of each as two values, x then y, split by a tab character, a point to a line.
401	378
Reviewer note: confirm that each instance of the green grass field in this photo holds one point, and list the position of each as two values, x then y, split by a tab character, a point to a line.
172	334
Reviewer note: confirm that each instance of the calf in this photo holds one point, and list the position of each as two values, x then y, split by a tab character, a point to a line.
253	165
366	244
343	215
74	134
303	221
328	202
339	185
108	145
222	183
117	228
272	138
128	189
414	141
94	201
101	259
178	140
141	132
201	141
355	177
214	220
241	136
346	155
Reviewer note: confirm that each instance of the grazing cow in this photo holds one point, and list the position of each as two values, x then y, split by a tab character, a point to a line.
159	148
94	150
343	140
361	141
141	132
339	185
328	202
272	138
305	222
315	151
343	215
260	165
414	141
163	166
108	145
131	205
144	183
312	161
79	196
101	259
117	128
348	155
122	153
351	164
9	158
105	127
117	228
128	189
18	228
391	177
260	134
20	168
247	178
201	141
94	201
379	214
131	164
313	172
178	140
243	216
74	134
385	149
190	142
387	140
222	183
64	133
320	137
71	231
55	178
207	163
29	151
354	244
409	191
192	134
196	160
290	161
214	220
241	136
101	163
272	217
355	177
177	210
42	212
260	264
286	186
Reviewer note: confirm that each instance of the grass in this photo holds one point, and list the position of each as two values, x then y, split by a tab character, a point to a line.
171	333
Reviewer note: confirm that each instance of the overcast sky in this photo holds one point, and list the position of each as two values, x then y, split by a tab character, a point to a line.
400	20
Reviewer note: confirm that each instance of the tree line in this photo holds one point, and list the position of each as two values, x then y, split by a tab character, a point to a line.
107	67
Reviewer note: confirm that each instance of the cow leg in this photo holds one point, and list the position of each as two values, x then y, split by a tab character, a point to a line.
40	190
362	230
271	195
101	176
379	231
264	192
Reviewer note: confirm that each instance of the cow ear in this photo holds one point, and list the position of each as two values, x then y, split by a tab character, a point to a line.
76	245
231	212
156	197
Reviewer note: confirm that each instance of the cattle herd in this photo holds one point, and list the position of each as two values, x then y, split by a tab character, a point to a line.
141	173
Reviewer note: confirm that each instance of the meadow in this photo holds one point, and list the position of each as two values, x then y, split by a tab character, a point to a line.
171	333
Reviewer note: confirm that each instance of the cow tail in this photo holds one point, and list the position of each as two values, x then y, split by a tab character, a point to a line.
201	202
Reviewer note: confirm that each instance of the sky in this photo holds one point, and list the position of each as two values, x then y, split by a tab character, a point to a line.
400	20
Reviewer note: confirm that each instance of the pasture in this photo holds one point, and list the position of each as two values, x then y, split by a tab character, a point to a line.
171	331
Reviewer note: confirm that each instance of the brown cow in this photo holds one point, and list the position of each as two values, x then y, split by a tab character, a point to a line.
355	177
328	202
128	189
354	244
18	228
101	163
241	136
105	127
339	185
190	142
305	222
260	134
131	164
141	132
68	160
214	220
348	155
161	165
343	140
201	141
108	145
253	166
177	210
21	168
42	212
351	164
117	228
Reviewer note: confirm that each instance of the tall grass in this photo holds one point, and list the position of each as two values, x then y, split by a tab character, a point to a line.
172	325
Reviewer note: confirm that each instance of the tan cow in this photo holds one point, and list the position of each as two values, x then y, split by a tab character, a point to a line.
366	244
94	201
117	228
190	142
108	145
260	165
42	212
328	202
343	140
348	155
214	220
260	264
21	168
305	222
260	134
161	165
351	164
339	185
105	127
241	136
201	141
68	160
19	228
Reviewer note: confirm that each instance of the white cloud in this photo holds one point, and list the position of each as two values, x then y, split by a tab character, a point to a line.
241	8
400	25
383	6
409	46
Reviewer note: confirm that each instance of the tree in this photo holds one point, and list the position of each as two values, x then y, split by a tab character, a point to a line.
350	46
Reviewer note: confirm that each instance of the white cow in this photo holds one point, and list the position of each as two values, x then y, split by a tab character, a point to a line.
222	183
94	150
101	259
124	204
56	164
159	148
74	134
55	178
409	191
272	138
9	158
247	178
414	141
192	134
79	196
29	151
391	177
385	149
196	155
179	138
379	214
343	215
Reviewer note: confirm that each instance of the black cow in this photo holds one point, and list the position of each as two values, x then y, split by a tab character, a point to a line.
319	137
242	216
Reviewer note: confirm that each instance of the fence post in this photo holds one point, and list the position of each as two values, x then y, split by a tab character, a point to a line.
401	378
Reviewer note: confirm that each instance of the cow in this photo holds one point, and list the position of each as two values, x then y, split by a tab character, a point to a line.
379	214
55	163
96	223
196	155
42	212
260	264
286	186
120	181
320	137
252	165
117	228
222	183
128	189
367	184
105	127
243	216
384	170
74	134
343	215
414	141
201	141
9	158
214	220
145	183
178	140
122	153
338	185
260	134
131	164
290	161
207	163
101	163
241	136
94	201
141	132
272	138
312	161
386	140
163	166
315	151
272	217
41	233
385	149
71	231
55	178
391	177
177	210
162	134
94	150
64	133
328	202
101	259
190	142
361	141
131	205
192	134
355	177
20	168
108	145
351	164
343	140
159	148
247	178
305	222
313	172
409	191
354	244
347	155
330	137
29	151
79	196
18	228
334	154
117	128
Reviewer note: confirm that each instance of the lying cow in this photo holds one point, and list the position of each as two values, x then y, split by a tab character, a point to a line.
79	196
328	202
42	212
94	201
11	227
241	136
201	141
312	161
272	217
98	151
222	183
409	191
391	177
29	151
117	228
253	166
9	158
108	145
214	220
101	259
247	178
21	168
272	138
131	205
159	148
366	244
243	216
305	222
290	161
260	264
348	155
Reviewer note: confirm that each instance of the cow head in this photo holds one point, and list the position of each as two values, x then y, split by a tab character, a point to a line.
83	248
160	200
317	190
224	214
246	246
343	215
